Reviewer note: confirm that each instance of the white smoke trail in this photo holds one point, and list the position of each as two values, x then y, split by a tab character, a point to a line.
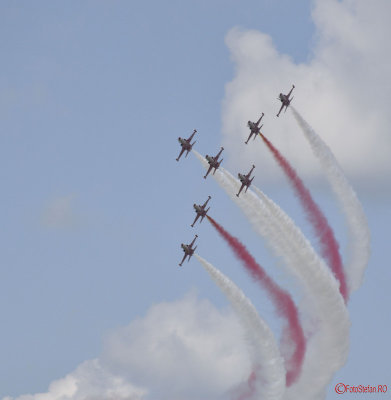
359	236
328	336
263	347
327	349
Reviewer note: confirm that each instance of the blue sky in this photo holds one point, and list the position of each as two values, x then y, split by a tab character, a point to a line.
93	96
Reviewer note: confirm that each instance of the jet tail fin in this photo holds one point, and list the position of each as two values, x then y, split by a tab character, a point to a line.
251	181
206	212
192	253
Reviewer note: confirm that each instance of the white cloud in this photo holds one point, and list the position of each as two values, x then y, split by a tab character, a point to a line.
187	349
89	381
184	349
342	91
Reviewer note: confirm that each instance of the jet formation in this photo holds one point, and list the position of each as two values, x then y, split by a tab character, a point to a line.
214	163
186	145
200	211
245	180
188	250
255	129
285	100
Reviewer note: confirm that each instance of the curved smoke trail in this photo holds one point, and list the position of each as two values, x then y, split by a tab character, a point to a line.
251	382
328	243
263	347
327	349
285	307
359	237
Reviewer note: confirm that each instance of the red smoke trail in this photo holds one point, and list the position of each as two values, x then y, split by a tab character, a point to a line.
251	387
328	244
283	302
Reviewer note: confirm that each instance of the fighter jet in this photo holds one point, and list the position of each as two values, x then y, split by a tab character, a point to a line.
246	181
200	210
185	144
285	100
188	249
255	129
213	162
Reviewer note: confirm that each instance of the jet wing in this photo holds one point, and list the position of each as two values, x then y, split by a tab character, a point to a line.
218	154
206	202
241	188
191	136
191	244
209	169
183	259
293	86
195	220
180	154
251	133
282	105
251	170
260	119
